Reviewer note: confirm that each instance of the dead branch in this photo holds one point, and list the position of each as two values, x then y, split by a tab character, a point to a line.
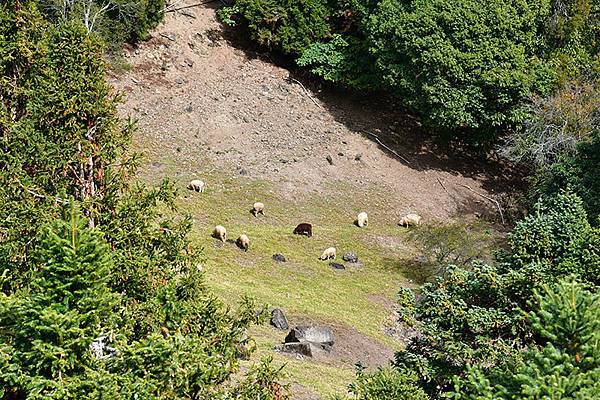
442	185
387	147
487	198
306	91
41	196
168	9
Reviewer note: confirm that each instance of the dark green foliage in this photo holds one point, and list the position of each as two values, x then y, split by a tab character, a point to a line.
565	366
283	24
472	317
384	384
120	270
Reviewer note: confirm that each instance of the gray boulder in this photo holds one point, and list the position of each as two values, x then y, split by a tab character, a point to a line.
302	348
320	336
278	319
350	257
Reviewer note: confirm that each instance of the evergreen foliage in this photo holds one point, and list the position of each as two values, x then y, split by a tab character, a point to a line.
104	300
566	364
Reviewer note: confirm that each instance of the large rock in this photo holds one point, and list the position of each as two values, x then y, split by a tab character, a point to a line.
278	319
320	336
350	257
302	348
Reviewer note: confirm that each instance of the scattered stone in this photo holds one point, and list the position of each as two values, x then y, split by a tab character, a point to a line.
179	80
278	319
358	157
243	172
320	336
341	154
279	257
189	108
329	160
350	257
335	265
169	36
189	62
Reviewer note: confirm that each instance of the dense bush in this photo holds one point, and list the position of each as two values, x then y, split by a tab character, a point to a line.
462	63
288	25
473	316
564	366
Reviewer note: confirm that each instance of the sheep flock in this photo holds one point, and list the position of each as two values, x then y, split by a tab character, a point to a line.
304	229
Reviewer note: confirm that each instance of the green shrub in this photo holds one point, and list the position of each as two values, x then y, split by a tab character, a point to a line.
566	366
288	25
463	64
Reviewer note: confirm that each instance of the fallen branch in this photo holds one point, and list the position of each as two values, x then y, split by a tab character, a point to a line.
441	184
387	147
41	196
306	91
168	9
488	198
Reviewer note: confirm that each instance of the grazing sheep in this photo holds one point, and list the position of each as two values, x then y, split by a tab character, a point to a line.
243	242
410	220
220	233
196	185
303	229
362	220
328	254
258	208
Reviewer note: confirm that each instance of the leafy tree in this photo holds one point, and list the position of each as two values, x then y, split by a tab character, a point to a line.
567	319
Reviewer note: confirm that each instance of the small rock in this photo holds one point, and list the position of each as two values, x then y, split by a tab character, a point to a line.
179	81
335	265
341	154
279	257
243	172
189	62
189	108
329	160
358	157
278	319
350	257
169	36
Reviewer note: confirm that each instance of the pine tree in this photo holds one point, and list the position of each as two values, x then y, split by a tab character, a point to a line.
46	330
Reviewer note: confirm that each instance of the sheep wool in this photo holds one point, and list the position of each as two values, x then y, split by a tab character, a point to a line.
329	253
258	208
410	220
220	233
243	242
196	185
362	220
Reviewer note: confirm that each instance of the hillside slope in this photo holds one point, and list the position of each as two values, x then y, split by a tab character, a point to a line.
211	109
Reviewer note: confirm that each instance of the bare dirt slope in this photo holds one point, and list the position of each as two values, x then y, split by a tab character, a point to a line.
209	104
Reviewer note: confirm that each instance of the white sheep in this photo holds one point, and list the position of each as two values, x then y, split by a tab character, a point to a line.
196	185
410	220
328	254
258	208
243	242
362	219
220	233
